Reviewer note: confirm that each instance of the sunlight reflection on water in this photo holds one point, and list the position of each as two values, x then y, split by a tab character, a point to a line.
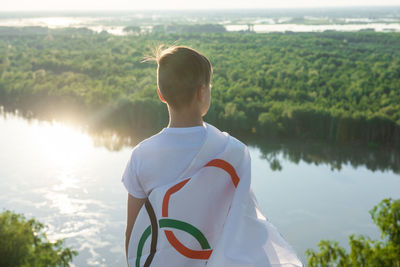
66	182
59	144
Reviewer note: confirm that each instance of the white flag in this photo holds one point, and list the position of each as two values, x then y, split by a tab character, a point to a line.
209	216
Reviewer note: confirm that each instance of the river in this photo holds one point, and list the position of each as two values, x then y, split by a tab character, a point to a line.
97	24
70	181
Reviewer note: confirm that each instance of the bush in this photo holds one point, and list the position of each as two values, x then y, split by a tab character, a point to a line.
24	243
363	250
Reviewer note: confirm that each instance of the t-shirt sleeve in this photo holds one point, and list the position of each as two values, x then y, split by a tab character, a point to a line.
131	180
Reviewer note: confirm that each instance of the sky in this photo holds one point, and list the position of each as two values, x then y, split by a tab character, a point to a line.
34	5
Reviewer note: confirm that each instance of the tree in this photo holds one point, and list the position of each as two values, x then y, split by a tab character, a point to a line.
24	243
363	250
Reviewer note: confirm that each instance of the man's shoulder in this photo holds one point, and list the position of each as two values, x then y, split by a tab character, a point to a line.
235	144
238	146
167	138
150	142
233	138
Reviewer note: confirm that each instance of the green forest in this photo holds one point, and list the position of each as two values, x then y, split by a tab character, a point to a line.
332	86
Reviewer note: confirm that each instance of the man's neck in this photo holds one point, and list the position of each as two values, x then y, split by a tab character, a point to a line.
184	118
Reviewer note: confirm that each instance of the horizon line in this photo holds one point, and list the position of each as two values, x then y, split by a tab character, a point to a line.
202	9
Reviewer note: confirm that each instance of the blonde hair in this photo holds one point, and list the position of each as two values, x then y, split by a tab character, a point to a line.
181	71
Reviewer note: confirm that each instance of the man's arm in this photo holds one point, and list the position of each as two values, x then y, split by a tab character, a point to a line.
134	206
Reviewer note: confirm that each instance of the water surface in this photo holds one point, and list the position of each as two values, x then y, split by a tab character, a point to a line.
71	182
115	25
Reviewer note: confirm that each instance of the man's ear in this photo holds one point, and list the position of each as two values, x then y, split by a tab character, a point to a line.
160	96
201	92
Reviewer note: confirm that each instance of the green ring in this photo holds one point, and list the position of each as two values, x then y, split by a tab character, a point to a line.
175	224
142	240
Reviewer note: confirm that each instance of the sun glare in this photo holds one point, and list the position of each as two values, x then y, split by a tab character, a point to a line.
61	145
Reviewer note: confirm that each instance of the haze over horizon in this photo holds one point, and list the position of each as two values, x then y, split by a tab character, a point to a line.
116	5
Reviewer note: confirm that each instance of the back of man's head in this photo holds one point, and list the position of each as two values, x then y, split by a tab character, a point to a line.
181	71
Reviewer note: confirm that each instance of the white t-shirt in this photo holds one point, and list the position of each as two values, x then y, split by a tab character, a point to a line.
161	159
